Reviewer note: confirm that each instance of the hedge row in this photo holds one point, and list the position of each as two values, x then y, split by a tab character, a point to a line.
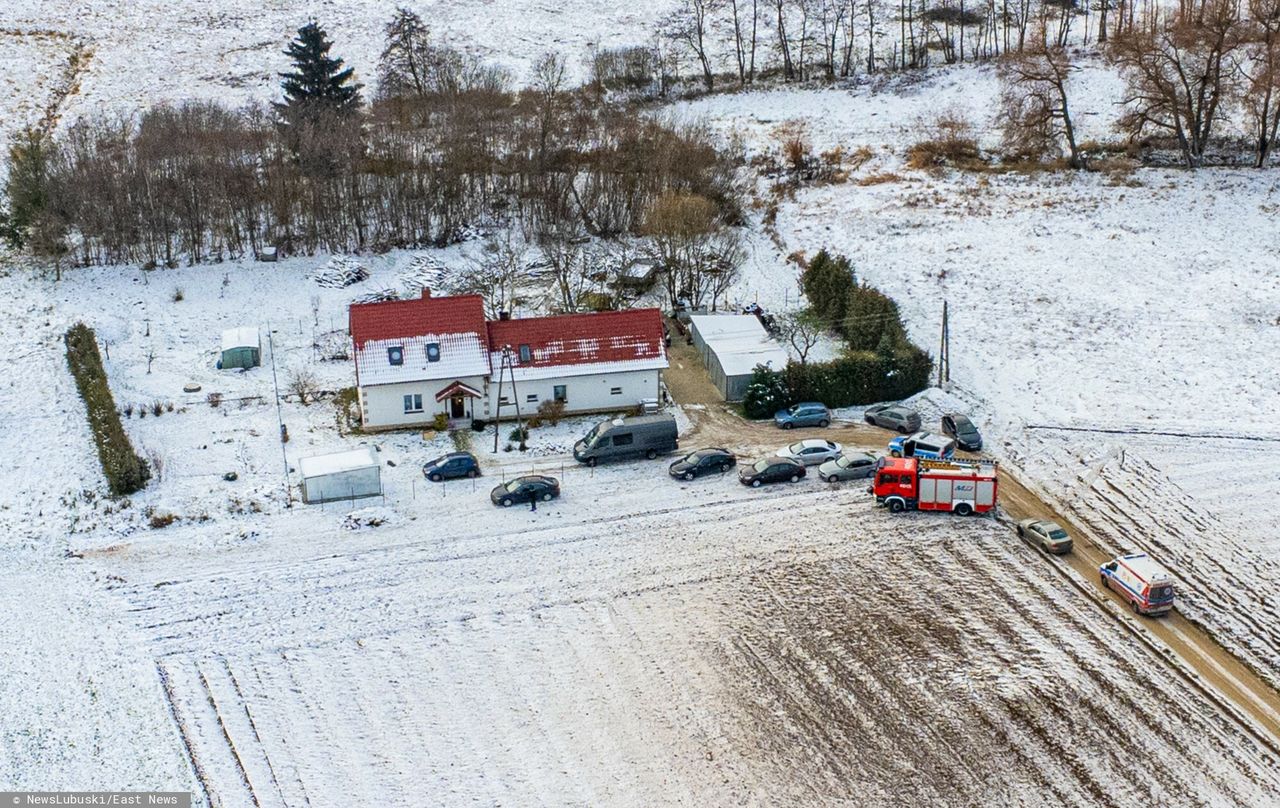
861	377
125	470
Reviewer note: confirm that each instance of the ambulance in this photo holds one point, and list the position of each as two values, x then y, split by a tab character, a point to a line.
1141	581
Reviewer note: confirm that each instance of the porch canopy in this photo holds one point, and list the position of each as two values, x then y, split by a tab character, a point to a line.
458	389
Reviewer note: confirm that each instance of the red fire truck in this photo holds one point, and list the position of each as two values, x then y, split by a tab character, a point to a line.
962	487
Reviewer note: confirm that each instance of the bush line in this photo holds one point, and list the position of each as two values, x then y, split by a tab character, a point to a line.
125	470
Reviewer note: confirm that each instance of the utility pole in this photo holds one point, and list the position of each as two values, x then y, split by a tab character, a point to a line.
944	349
504	367
275	382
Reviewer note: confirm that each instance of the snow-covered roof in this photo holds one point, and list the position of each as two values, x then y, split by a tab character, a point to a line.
461	355
338	462
739	341
246	336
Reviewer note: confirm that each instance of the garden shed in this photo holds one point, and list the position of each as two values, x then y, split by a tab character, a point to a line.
342	475
241	348
731	346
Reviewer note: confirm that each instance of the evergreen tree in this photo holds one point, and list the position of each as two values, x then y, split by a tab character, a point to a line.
32	220
871	319
766	393
318	83
828	282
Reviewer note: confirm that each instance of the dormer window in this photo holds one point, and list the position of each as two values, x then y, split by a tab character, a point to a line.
396	355
526	355
433	352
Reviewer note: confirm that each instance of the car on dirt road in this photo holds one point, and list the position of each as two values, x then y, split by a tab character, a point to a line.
893	416
771	470
451	467
924	445
526	489
1141	581
1048	536
703	461
806	413
962	429
855	466
812	452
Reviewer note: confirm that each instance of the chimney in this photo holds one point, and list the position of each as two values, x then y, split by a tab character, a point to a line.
426	292
504	315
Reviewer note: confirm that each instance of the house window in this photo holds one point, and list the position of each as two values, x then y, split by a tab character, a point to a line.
526	355
616	391
560	393
413	402
532	398
396	355
433	352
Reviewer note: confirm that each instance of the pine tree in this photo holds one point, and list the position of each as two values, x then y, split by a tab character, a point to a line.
318	83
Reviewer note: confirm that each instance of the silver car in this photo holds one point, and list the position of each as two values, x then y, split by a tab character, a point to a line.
893	416
855	466
813	451
1048	536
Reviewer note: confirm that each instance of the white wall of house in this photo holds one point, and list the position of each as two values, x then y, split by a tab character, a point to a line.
592	393
382	405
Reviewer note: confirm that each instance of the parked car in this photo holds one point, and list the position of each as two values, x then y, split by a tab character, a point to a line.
771	470
703	461
806	413
812	452
633	436
525	489
854	466
962	429
451	467
893	416
1141	581
1046	535
924	445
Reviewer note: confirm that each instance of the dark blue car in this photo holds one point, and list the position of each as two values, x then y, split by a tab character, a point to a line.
451	467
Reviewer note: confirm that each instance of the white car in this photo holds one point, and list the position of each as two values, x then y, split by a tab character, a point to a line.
813	451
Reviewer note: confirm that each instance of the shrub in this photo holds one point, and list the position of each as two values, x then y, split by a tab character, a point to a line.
162	519
870	316
178	295
549	412
766	393
125	470
861	377
440	422
302	383
157	408
948	141
520	433
214	399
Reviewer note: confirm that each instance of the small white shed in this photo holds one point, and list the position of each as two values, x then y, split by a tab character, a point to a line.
342	475
241	348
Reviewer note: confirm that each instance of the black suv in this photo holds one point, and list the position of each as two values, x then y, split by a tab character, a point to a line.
451	467
702	462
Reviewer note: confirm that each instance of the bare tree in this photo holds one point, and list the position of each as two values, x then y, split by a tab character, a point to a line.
1177	71
495	275
1034	112
689	24
699	255
1261	98
803	330
405	63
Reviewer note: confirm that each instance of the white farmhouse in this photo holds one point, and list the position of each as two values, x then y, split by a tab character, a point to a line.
418	358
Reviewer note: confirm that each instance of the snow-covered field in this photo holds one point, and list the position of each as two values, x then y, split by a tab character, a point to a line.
642	642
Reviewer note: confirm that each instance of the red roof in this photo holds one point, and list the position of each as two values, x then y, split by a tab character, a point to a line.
401	319
577	339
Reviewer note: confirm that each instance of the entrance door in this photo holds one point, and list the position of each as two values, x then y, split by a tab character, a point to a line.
457	407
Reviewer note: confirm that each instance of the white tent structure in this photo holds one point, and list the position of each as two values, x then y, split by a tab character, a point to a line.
731	346
342	475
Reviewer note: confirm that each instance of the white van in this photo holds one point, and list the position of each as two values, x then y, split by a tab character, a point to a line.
1141	581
